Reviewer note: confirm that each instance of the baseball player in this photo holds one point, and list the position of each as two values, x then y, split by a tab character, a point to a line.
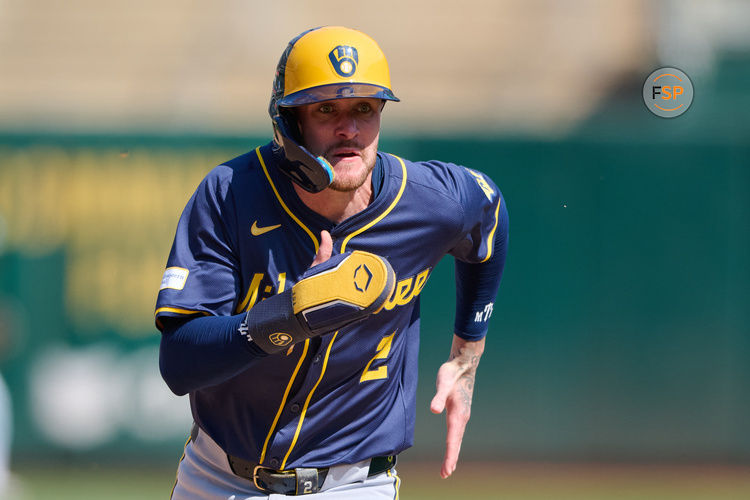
289	308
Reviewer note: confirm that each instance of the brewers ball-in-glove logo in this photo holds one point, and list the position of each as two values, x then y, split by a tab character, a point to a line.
344	60
280	339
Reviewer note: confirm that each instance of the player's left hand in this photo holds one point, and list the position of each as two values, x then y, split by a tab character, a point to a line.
455	387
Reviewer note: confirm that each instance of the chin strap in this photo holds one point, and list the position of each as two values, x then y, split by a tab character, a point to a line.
312	173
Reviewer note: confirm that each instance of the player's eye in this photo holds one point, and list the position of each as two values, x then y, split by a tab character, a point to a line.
326	108
364	107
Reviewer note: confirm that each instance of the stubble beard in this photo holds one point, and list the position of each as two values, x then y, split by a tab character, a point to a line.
345	184
349	184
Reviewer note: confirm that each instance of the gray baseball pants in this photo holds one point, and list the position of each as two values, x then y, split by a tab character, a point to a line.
204	474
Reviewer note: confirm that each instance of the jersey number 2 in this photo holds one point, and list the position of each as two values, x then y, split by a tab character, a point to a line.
384	348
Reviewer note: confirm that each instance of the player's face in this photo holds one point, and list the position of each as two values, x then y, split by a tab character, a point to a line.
345	132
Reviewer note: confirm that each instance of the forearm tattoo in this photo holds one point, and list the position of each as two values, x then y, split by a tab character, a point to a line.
465	389
468	361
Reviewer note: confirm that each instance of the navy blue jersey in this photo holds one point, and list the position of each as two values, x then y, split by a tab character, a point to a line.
349	395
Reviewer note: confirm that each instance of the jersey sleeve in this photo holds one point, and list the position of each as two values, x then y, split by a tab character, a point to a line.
481	202
202	272
479	252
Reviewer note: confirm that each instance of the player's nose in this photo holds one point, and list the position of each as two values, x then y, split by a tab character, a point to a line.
347	126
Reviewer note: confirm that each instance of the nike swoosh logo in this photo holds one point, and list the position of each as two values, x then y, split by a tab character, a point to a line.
257	231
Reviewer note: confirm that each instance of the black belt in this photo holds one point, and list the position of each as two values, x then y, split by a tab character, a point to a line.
300	481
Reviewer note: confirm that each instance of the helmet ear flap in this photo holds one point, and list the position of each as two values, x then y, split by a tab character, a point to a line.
285	125
312	173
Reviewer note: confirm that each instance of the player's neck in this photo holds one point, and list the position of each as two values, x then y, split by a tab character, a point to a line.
337	206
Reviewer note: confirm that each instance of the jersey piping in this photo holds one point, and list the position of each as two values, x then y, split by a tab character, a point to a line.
286	209
385	212
185	312
491	237
307	401
283	400
178	311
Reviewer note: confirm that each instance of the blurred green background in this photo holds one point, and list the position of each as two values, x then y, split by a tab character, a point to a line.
618	359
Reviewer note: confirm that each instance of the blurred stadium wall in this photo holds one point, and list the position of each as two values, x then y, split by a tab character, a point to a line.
621	330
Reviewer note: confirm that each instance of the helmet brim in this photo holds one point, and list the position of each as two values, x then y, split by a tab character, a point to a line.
337	91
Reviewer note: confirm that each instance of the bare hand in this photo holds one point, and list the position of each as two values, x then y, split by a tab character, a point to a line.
325	249
455	387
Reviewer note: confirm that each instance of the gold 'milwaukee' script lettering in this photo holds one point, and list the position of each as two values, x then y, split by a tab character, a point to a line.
259	288
407	290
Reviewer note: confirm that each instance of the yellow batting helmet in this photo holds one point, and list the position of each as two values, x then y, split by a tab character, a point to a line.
321	64
331	62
